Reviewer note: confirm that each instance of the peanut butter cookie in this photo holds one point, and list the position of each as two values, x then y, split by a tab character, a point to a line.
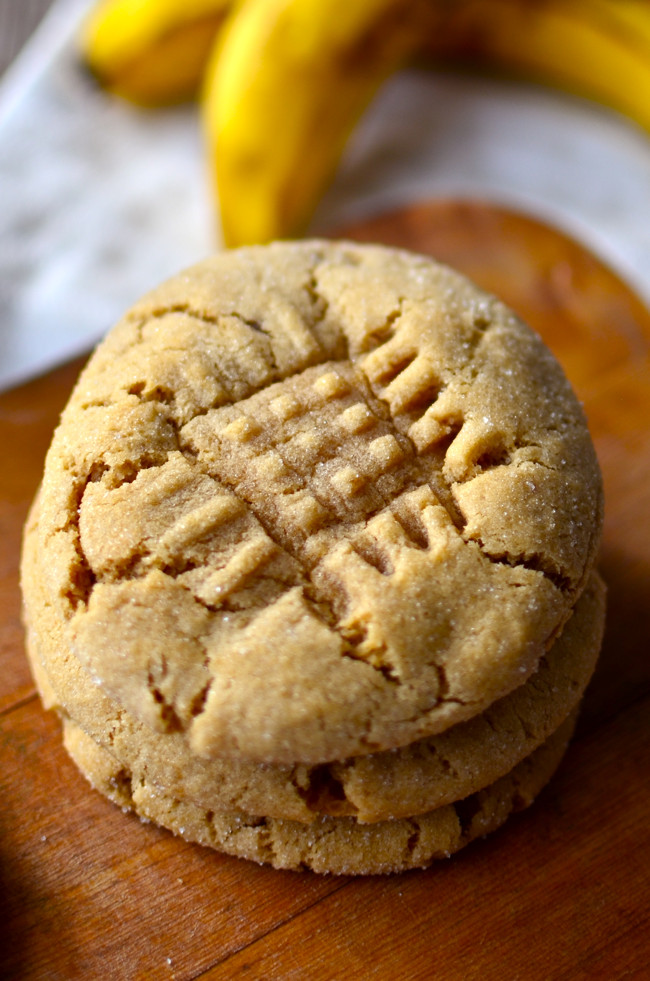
315	500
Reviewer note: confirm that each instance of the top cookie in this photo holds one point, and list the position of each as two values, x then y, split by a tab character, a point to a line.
312	500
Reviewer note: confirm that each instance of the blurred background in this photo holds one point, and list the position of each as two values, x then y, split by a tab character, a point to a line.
100	199
18	18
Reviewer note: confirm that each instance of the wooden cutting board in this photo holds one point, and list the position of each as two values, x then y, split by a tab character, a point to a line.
562	892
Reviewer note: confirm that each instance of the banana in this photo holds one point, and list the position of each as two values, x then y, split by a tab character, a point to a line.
289	79
151	52
285	86
595	48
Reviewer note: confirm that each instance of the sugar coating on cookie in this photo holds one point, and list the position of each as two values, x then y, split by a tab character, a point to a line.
314	500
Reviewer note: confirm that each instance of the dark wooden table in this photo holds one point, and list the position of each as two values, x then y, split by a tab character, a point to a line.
561	893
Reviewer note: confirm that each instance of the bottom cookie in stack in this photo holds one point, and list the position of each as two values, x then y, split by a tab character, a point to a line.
339	846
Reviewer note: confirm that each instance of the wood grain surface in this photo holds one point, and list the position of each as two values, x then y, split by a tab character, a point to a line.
562	892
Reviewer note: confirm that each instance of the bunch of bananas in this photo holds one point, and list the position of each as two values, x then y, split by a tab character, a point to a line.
282	83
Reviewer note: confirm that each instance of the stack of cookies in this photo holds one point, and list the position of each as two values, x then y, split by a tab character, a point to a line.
310	575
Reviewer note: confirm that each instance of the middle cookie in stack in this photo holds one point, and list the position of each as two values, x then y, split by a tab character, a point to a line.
312	559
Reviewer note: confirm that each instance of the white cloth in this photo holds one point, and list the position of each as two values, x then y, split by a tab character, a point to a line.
100	201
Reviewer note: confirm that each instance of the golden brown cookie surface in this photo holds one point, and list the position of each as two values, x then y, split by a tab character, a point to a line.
316	500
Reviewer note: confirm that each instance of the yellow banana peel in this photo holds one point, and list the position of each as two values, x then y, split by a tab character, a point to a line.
285	86
151	52
596	48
